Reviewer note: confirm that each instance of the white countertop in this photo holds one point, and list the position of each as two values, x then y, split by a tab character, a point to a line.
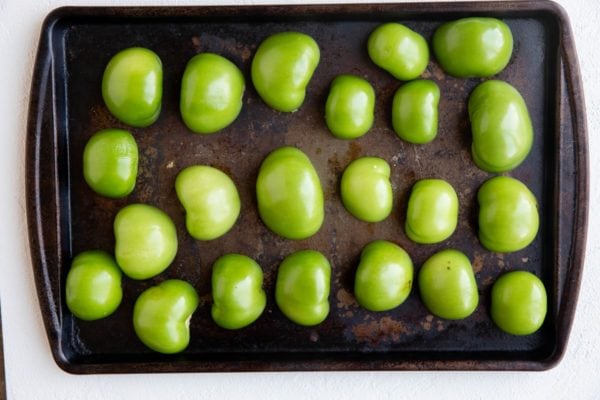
32	373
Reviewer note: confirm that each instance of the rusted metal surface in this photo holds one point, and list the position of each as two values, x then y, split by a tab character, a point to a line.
66	217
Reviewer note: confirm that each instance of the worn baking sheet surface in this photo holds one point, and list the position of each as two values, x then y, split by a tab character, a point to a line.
66	217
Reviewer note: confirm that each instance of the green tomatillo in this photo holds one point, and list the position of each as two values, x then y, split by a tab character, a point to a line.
210	199
399	50
384	276
93	287
366	189
282	67
212	89
519	303
508	215
350	107
162	313
145	240
432	213
302	287
110	163
447	285
473	47
237	292
132	86
501	126
289	194
415	111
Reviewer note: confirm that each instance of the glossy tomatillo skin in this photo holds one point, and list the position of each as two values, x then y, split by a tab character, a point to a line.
415	111
501	126
384	276
110	163
519	303
289	194
350	107
93	287
508	215
432	213
162	313
447	285
212	91
132	86
145	240
211	201
366	189
282	67
399	50
302	287
473	47
237	292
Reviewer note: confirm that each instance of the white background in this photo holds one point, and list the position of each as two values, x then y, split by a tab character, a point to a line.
32	373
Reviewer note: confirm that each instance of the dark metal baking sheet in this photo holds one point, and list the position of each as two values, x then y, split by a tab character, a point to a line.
66	217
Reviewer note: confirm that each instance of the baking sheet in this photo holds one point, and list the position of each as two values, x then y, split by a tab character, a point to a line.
66	217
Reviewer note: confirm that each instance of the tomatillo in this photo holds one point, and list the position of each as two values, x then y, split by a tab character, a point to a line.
211	201
302	287
162	313
501	126
93	287
132	86
237	292
289	194
366	189
447	285
145	240
473	47
350	107
415	111
519	303
110	163
212	89
508	215
432	213
399	50
384	276
282	68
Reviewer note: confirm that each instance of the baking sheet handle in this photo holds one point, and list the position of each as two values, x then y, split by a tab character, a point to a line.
573	135
42	183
